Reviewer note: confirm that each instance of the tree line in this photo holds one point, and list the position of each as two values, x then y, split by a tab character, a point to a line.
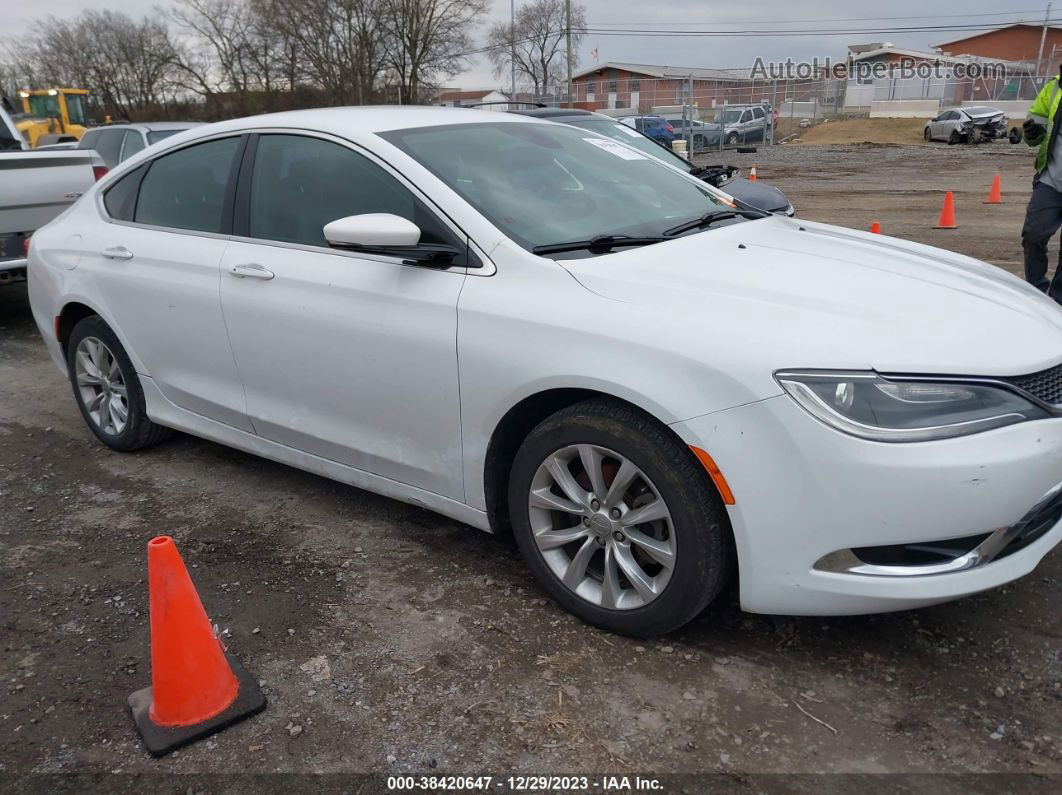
214	59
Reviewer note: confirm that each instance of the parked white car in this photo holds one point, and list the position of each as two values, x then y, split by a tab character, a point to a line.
522	326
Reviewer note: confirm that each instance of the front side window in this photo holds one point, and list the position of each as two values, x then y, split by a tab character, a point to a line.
186	189
300	183
548	183
134	142
75	108
109	146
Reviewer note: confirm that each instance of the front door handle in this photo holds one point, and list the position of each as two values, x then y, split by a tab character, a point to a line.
252	269
117	252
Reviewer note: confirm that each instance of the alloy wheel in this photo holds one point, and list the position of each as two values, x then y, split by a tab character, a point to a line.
602	527
101	386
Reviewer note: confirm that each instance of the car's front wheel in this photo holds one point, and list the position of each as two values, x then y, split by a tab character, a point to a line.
927	135
617	519
107	388
732	139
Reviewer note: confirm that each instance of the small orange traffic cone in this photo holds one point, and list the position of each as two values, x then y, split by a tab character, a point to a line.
947	213
875	228
752	175
995	195
196	688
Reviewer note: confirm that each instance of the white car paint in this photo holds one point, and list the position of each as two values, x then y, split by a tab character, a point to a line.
394	378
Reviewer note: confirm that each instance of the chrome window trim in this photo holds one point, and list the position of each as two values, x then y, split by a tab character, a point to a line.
488	268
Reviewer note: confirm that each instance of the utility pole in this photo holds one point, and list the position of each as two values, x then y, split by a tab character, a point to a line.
1043	39
512	48
568	36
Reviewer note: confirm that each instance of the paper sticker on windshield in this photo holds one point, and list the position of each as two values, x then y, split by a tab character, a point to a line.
616	148
631	132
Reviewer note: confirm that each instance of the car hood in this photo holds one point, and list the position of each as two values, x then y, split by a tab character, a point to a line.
790	293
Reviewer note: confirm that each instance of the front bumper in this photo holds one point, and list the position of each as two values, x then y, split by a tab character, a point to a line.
807	495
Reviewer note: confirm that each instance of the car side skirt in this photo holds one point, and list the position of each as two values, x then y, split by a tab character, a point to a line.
164	412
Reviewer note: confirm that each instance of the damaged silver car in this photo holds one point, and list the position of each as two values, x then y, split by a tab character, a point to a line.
967	125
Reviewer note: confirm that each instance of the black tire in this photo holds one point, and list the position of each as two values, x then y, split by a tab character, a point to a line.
732	139
702	536
927	135
139	431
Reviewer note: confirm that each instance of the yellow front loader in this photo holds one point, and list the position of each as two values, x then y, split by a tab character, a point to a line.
52	115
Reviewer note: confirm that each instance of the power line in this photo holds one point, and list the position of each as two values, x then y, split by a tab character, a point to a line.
848	19
647	32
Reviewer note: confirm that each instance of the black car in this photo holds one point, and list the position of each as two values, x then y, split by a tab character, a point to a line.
754	194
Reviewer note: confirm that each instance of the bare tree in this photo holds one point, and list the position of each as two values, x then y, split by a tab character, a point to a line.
536	42
129	65
338	44
426	40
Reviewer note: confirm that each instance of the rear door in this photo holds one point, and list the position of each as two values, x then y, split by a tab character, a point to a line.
348	356
157	266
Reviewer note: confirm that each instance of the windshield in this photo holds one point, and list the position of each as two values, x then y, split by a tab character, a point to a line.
154	136
728	116
42	105
544	184
629	136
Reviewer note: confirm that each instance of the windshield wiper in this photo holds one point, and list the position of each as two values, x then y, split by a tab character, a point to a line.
598	243
710	218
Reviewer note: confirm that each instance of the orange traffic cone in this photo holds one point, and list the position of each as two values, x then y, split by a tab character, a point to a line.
995	195
947	213
752	175
196	689
875	228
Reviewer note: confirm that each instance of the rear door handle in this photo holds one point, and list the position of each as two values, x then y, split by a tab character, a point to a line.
253	270
117	252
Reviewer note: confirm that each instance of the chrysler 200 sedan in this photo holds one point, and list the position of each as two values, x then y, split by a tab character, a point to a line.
534	330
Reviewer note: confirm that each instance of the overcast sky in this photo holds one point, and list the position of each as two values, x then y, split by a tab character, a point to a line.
717	52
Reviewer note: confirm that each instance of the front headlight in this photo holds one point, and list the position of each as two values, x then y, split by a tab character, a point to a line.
866	405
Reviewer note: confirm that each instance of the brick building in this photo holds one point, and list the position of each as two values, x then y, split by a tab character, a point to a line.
642	87
1019	42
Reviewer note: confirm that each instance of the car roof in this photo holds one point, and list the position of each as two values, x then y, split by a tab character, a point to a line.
552	113
150	126
366	119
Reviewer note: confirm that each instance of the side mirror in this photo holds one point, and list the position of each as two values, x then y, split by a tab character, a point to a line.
372	230
389	235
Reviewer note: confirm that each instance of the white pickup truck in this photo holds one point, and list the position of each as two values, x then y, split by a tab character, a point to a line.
35	186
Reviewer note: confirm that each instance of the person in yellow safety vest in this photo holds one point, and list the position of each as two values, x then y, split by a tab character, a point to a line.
1043	216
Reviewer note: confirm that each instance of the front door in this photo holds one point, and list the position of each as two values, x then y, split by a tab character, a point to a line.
349	357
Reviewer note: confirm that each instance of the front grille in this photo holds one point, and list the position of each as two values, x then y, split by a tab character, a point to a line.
1045	385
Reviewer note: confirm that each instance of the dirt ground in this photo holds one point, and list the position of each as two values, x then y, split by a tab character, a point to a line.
391	640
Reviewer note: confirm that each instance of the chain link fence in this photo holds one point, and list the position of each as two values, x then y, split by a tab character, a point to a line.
729	110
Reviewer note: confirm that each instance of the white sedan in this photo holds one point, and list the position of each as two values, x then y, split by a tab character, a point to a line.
533	330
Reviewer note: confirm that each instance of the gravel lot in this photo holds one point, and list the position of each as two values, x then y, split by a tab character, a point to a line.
393	640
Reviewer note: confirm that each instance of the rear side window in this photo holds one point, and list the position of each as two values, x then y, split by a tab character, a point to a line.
154	136
120	198
186	189
300	183
758	113
134	142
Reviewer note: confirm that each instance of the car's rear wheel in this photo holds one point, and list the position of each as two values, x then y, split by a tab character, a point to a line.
617	519
107	388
